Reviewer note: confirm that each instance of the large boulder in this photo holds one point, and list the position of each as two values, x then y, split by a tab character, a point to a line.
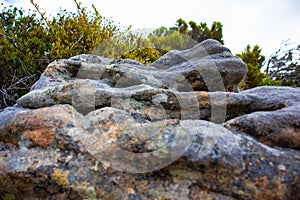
95	128
206	67
199	65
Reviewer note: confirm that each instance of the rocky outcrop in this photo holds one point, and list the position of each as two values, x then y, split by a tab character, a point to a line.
276	120
95	128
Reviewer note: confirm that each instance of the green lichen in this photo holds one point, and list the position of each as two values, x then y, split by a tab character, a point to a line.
7	186
241	193
86	191
96	167
185	175
8	197
63	98
61	177
163	197
224	178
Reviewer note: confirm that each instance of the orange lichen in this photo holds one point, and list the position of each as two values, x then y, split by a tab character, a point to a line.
49	70
113	132
41	137
155	112
204	94
264	188
130	191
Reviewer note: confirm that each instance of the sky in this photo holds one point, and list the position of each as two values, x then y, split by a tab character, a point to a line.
256	22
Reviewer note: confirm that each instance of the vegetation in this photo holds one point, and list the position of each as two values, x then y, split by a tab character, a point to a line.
196	32
254	61
172	40
24	44
183	35
128	45
29	42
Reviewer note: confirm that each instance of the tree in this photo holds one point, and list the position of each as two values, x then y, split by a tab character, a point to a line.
201	32
254	61
180	26
162	31
284	65
186	34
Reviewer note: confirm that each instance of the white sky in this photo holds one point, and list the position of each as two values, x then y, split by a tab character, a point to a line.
263	22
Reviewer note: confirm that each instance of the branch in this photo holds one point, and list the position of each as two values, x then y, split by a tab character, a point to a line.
73	45
21	81
41	13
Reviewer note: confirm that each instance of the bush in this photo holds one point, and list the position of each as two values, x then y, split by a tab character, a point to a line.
128	45
24	43
28	43
270	82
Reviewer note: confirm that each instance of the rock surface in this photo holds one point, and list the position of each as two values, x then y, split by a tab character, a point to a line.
95	128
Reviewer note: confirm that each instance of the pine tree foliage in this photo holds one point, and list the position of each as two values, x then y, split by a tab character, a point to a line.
254	61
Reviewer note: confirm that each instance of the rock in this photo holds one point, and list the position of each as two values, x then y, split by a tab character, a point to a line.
95	128
79	162
277	120
199	65
207	66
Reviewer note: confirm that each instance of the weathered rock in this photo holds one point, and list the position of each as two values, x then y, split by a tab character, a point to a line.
95	128
207	66
274	121
198	66
68	166
278	121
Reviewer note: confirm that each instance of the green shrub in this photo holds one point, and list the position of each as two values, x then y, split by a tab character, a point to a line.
24	43
29	42
129	45
270	82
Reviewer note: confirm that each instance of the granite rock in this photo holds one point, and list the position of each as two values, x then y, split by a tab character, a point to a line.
96	128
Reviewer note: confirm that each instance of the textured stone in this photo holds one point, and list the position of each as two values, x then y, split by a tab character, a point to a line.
95	128
199	65
201	68
216	159
276	121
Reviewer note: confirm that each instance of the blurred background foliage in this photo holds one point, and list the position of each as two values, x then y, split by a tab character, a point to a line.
29	41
